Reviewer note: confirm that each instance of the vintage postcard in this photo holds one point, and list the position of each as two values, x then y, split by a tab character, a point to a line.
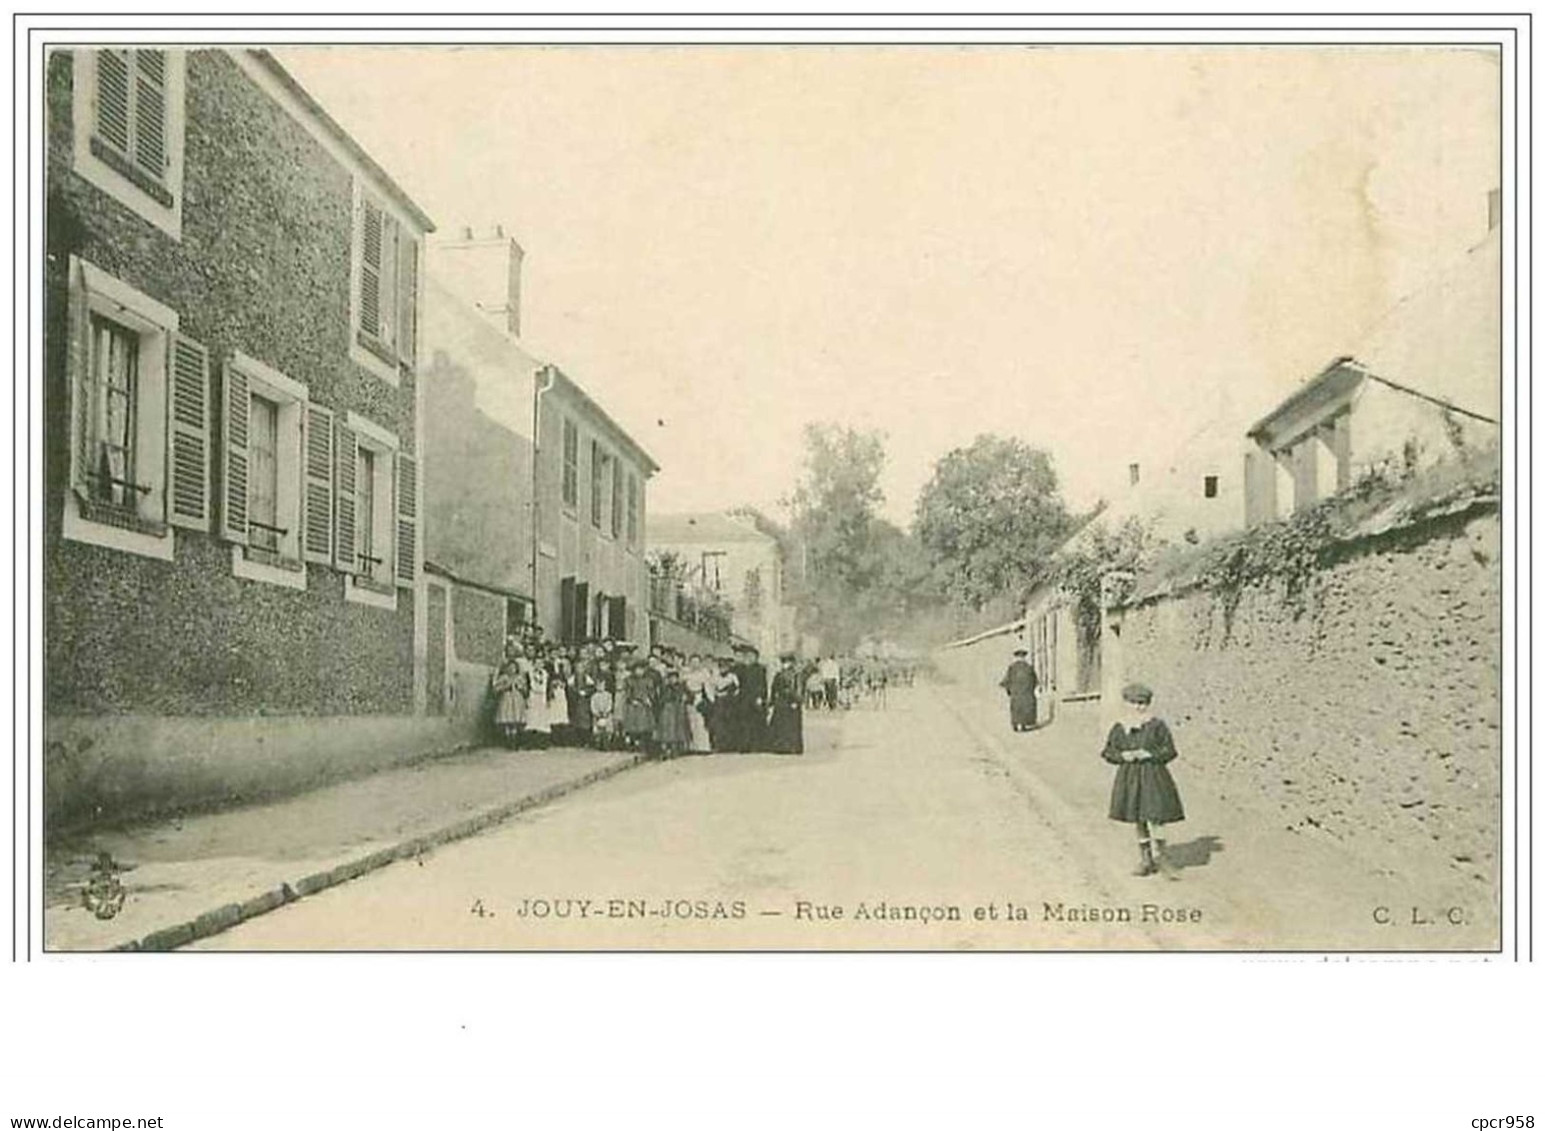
570	496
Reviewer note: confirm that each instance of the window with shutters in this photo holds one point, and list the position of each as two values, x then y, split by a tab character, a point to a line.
128	115
383	490
266	469
385	288
570	465
139	418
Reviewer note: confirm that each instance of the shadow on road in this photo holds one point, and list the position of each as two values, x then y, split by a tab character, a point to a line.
1196	853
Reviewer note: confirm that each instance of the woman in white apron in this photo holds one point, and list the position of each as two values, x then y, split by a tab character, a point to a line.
558	701
539	711
700	682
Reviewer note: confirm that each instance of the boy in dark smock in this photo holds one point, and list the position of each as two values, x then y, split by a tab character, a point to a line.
1144	793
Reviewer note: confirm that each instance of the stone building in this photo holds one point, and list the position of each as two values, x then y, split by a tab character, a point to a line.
233	593
1424	386
731	556
550	533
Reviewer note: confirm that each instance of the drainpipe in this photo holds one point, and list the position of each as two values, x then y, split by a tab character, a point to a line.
546	376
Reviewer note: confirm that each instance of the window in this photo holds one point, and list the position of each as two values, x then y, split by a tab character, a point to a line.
385	290
1210	486
128	118
616	499
570	464
370	562
114	393
515	615
263	478
377	502
597	480
266	472
752	595
632	509
139	418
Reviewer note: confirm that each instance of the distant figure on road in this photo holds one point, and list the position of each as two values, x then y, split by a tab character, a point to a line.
831	679
1144	793
1020	683
786	728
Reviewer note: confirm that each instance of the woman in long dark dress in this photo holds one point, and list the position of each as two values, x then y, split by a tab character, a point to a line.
638	722
786	728
1144	793
671	724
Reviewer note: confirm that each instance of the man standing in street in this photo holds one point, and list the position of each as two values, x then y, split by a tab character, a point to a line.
1019	681
831	678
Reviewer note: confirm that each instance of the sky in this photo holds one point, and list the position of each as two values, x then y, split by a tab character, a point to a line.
1098	250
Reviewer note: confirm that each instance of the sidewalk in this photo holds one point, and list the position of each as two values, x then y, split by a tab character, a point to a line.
192	877
1262	885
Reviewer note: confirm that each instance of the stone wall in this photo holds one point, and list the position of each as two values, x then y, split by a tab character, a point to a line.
263	266
113	769
1368	709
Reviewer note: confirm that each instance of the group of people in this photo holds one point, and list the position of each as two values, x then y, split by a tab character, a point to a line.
840	682
609	695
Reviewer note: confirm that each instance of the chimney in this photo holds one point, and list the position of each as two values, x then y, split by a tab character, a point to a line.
1493	209
482	269
1134	473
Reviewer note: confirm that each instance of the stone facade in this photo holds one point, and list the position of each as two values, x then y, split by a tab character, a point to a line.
260	264
1369	709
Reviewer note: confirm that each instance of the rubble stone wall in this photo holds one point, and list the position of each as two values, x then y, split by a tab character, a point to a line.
1369	709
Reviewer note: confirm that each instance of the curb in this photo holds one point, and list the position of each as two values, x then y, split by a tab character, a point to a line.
229	915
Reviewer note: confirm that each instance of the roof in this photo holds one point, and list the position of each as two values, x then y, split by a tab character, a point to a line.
449	574
1442	343
341	136
1329	384
706	528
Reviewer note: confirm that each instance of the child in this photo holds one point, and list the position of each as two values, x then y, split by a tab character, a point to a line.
1144	793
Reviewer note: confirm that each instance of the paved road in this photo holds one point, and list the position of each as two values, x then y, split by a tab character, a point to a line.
899	829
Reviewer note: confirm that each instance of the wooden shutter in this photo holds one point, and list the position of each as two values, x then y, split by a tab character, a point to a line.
370	270
78	360
150	111
387	331
345	502
318	523
188	440
113	84
616	497
238	403
407	286
407	518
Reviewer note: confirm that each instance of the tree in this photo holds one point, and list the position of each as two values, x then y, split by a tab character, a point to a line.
991	517
836	501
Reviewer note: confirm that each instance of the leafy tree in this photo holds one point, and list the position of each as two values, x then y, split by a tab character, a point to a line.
836	501
991	517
